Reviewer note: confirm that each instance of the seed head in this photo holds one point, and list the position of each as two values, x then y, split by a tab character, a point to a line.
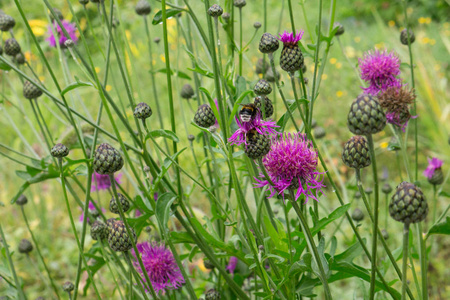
59	151
187	92
6	22
356	153
107	160
404	36
366	116
204	117
268	43
239	3
12	47
408	204
340	28
142	111
25	246
22	200
68	287
143	8
215	11
114	207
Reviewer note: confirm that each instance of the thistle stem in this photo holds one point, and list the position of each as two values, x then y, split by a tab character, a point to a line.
413	86
20	292
423	261
38	250
152	77
435	198
240	41
375	221
72	223
277	81
383	241
405	258
133	242
311	245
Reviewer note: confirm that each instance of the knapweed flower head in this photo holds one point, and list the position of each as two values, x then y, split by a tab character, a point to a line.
396	100
433	165
290	37
291	58
257	123
61	37
232	264
160	265
380	70
292	165
102	182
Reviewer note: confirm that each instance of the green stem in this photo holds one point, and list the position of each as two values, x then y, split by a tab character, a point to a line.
20	292
240	41
72	223
405	258
383	241
435	198
169	88
38	250
311	245
130	235
152	76
423	261
375	222
277	81
413	86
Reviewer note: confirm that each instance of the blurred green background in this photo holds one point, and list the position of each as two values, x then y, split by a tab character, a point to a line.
368	25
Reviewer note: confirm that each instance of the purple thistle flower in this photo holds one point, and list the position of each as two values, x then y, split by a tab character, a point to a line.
395	118
160	265
380	70
232	264
292	164
70	28
290	38
102	182
257	123
433	165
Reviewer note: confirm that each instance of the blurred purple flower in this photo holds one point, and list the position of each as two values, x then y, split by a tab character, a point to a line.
232	264
257	123
102	182
292	164
290	38
160	265
433	165
380	70
91	208
70	28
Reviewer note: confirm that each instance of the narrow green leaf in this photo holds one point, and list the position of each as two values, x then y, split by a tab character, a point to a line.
169	13
163	133
175	73
75	85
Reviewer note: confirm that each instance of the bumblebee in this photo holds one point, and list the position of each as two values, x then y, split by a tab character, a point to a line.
248	112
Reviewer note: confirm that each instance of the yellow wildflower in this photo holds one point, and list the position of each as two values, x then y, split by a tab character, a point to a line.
333	60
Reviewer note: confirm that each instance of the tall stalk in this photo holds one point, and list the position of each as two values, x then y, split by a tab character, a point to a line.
20	292
405	258
38	250
375	221
311	245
